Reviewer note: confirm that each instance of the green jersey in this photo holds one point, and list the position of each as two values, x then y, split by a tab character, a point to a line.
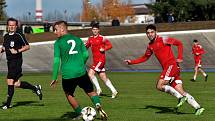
72	53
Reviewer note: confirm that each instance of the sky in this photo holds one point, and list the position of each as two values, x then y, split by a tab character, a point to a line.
18	8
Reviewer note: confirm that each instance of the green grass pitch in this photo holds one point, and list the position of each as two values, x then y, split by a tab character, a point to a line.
138	100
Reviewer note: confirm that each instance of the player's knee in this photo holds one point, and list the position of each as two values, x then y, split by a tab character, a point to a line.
91	75
159	87
17	84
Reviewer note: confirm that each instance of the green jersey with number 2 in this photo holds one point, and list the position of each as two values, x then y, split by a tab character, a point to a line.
71	54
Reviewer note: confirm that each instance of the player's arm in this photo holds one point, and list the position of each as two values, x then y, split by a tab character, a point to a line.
202	51
108	44
141	59
56	64
179	45
25	45
84	52
2	49
195	50
88	44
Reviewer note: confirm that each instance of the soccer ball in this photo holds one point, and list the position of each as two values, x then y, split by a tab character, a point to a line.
89	113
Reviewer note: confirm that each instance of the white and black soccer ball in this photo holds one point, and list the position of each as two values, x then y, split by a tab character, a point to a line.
88	113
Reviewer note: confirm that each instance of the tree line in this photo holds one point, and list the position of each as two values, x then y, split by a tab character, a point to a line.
106	10
183	10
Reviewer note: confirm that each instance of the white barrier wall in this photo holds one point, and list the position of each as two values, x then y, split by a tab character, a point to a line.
39	58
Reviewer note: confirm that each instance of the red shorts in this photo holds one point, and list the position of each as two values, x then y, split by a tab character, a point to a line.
171	74
198	63
98	66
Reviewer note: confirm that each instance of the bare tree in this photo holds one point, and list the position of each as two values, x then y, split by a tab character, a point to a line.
3	5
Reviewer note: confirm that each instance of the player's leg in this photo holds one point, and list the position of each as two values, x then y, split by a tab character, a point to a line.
85	83
190	98
163	82
93	78
195	73
162	85
10	93
204	74
108	83
69	86
176	85
26	85
74	103
13	70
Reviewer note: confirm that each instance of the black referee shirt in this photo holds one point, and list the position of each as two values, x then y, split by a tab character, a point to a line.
15	41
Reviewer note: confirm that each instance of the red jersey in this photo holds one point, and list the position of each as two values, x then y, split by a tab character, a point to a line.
197	51
161	47
96	43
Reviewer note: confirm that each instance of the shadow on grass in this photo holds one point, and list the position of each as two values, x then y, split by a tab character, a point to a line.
68	115
27	103
104	95
161	110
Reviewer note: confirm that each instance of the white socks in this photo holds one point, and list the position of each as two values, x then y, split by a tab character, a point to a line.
172	91
110	86
96	83
175	93
107	83
192	101
204	74
194	77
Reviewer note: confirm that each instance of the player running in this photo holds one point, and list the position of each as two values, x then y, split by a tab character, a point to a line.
197	51
14	45
70	55
170	81
99	44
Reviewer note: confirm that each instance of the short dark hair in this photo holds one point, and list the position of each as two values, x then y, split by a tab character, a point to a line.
64	23
96	25
151	26
195	40
12	19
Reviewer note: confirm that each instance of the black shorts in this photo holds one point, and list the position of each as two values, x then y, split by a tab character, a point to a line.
14	69
83	82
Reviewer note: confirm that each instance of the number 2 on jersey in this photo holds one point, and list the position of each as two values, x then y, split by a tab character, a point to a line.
71	51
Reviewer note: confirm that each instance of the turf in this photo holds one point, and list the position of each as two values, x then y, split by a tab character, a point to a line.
138	99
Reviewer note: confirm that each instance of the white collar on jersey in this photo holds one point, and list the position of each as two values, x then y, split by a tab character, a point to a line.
11	33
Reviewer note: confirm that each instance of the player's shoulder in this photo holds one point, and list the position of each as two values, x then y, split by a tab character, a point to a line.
162	36
73	37
101	35
19	34
7	34
103	38
90	37
200	46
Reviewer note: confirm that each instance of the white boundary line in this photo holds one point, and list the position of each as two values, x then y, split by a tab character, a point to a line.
132	35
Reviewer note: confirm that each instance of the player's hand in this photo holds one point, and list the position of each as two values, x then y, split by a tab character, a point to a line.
102	50
197	53
13	51
127	62
53	83
1	50
179	60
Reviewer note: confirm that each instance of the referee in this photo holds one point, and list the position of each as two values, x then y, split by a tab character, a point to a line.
14	44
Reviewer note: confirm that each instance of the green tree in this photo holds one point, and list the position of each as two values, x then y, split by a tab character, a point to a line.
2	11
184	10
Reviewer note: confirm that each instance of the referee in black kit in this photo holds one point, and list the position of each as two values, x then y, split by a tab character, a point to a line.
14	44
